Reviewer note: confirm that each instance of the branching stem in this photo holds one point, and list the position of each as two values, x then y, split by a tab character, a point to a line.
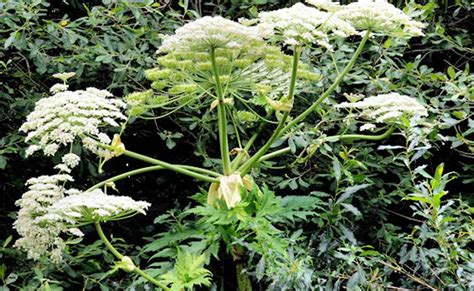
334	85
119	256
247	166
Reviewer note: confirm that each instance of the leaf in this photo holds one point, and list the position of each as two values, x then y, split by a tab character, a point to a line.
348	234
352	209
336	167
387	43
451	73
3	162
10	39
260	269
351	190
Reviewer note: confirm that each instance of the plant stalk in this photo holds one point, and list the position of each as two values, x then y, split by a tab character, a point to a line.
177	168
347	137
222	119
247	166
119	256
328	92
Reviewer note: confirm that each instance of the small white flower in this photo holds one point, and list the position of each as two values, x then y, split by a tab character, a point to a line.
51	149
39	232
71	160
76	232
326	5
63	168
367	127
32	149
56	88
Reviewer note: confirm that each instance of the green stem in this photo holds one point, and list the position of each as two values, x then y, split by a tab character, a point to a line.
125	175
243	280
245	168
119	256
328	92
274	154
187	170
107	243
150	278
240	156
346	137
222	119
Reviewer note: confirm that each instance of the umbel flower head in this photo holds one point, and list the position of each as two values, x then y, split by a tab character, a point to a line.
66	116
379	16
301	24
191	58
209	33
387	108
49	211
89	207
40	237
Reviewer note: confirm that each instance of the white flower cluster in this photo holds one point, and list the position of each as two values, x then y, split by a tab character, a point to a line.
87	207
210	32
58	120
48	210
326	5
387	107
301	24
38	236
58	87
379	16
69	162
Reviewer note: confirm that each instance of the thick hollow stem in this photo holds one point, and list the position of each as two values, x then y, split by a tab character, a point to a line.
336	83
221	118
243	280
245	168
119	256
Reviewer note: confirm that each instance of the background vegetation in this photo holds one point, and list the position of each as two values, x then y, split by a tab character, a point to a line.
350	205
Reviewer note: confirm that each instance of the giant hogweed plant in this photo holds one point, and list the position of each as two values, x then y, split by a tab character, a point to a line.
236	73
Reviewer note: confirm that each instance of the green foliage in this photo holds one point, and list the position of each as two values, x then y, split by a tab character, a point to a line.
356	215
188	272
439	247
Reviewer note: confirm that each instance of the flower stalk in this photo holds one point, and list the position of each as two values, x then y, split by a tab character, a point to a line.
195	172
334	85
221	117
247	166
119	256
